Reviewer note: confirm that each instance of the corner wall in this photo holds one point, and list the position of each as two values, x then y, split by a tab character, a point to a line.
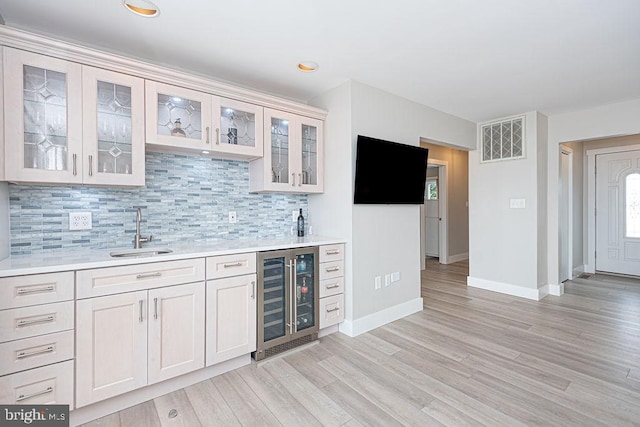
5	235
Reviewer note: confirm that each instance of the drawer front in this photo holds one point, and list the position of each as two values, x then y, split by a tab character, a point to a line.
26	322
23	291
231	265
20	355
329	253
331	310
51	384
331	287
331	270
114	280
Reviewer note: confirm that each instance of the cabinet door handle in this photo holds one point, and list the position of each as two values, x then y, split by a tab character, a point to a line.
217	136
332	269
155	308
37	393
145	276
299	180
333	309
253	290
207	141
75	165
293	179
337	285
47	319
333	252
25	354
90	165
25	291
140	318
235	264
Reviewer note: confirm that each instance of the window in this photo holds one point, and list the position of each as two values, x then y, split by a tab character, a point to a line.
632	205
502	140
431	190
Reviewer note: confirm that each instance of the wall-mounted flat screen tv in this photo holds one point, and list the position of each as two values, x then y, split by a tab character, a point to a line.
389	173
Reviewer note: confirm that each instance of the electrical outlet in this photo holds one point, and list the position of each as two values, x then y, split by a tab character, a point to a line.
387	279
232	217
378	282
79	220
395	277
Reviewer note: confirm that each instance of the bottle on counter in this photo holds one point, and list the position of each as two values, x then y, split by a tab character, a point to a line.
300	224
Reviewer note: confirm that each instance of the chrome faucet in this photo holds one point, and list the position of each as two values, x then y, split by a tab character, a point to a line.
138	239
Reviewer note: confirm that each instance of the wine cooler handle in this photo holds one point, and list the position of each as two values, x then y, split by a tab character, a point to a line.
295	289
291	296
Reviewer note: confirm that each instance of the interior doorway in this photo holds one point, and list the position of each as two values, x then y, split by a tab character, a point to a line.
433	214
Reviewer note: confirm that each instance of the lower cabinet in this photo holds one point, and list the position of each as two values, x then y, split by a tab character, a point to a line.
129	340
231	317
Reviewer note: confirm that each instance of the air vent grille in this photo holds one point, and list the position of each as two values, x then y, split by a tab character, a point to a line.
503	140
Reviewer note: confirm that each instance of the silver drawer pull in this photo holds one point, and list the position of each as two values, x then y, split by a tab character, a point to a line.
25	291
47	319
332	269
25	354
235	264
144	276
337	285
37	393
334	252
333	309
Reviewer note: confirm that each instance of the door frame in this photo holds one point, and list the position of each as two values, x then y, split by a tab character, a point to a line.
590	267
443	250
567	151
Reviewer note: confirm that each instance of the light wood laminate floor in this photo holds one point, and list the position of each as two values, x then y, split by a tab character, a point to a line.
472	357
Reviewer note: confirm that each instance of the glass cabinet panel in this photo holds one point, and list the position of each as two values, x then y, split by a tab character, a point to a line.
274	298
114	129
179	117
305	296
309	154
237	127
45	119
279	150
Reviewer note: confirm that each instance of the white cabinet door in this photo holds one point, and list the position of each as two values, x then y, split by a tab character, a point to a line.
238	129
113	126
111	346
176	330
43	127
231	318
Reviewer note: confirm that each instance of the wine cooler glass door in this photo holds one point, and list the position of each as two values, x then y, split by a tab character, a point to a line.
305	302
274	299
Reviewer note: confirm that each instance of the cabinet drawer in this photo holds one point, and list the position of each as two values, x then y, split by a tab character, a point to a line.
230	265
20	355
331	270
25	322
331	287
22	291
331	310
52	384
330	253
114	280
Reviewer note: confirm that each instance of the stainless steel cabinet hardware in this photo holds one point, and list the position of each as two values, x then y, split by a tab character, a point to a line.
337	285
144	276
75	165
253	289
333	252
25	291
37	393
217	136
333	309
299	180
47	319
90	165
293	179
25	354
332	269
155	308
207	135
291	296
140	318
235	264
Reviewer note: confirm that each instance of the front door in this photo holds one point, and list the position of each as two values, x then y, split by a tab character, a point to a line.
618	212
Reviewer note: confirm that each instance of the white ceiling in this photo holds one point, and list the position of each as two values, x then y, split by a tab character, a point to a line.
475	59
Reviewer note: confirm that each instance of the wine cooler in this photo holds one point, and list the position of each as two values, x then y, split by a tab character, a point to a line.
287	300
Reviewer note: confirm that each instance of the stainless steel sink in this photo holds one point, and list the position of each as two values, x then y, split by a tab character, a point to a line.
145	252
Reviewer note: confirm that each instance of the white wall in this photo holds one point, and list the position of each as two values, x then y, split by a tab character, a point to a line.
384	239
4	221
542	147
600	122
503	241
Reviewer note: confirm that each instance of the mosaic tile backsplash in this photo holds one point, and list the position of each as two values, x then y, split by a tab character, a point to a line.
186	198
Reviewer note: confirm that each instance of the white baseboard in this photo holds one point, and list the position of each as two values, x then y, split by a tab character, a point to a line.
557	290
457	257
100	409
590	269
364	324
578	271
327	331
509	289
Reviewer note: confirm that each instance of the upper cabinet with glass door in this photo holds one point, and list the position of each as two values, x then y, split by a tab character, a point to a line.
186	120
43	127
292	159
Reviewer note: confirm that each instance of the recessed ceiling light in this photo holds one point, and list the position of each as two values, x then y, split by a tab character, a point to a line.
142	8
308	66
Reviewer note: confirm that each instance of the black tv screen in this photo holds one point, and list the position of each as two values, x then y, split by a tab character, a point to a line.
389	173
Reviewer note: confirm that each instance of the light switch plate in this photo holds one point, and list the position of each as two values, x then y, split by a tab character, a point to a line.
79	220
517	203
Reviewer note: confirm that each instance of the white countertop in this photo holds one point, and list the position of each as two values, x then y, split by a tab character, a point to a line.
85	259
